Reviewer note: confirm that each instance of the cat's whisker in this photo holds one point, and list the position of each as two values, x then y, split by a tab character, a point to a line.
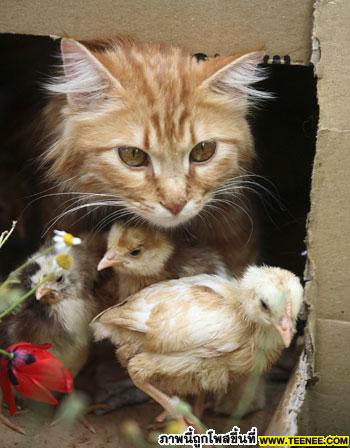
239	191
240	187
233	204
53	187
110	218
120	213
80	195
73	203
207	212
135	220
85	215
81	207
246	181
222	215
187	229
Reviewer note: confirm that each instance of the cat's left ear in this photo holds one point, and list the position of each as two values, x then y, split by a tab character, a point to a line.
234	77
85	80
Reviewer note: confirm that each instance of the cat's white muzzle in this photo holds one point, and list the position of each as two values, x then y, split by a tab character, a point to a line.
164	218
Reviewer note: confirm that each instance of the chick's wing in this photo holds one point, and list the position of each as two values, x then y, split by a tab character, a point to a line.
200	322
189	314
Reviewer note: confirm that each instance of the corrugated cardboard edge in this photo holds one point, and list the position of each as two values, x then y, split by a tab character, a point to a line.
285	418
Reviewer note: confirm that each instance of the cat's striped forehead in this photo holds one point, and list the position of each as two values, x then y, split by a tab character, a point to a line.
158	92
160	85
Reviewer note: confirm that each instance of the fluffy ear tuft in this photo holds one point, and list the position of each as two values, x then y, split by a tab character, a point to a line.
84	80
234	77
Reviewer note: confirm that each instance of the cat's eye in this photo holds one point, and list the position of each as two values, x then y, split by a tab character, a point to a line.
133	156
203	151
135	252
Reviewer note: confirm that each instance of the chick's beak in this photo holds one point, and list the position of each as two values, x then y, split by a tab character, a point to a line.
109	259
285	325
41	292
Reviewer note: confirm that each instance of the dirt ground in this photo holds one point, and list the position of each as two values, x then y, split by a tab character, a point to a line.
39	433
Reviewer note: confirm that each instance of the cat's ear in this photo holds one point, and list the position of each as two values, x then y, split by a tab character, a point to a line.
234	77
85	80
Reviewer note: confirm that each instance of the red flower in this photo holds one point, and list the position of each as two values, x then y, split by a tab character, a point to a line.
32	371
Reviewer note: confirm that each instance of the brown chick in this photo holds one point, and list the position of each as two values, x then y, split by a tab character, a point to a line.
60	311
142	256
198	334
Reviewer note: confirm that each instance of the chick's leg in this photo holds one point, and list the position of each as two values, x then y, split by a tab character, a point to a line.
7	422
162	417
165	401
199	405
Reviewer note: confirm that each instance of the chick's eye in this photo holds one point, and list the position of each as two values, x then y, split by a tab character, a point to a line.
132	156
264	305
135	252
203	151
59	279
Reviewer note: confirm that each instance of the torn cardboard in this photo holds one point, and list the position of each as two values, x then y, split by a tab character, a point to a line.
285	419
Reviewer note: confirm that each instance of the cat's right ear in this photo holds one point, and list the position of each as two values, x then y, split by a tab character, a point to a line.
85	80
234	77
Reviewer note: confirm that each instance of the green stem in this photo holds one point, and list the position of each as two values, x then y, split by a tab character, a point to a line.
7	354
23	297
13	274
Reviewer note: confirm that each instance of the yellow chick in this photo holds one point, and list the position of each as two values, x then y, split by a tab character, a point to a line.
142	256
198	334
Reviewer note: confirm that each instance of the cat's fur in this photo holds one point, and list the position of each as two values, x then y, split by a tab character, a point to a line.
156	97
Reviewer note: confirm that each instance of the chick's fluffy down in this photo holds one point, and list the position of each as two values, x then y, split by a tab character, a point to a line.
172	331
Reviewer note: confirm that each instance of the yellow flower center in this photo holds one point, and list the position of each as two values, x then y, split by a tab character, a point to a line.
175	427
68	239
65	261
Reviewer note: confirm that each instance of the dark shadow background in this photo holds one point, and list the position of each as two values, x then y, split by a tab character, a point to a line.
284	130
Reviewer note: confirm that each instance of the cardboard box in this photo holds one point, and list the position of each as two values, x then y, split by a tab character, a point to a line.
327	404
317	399
223	26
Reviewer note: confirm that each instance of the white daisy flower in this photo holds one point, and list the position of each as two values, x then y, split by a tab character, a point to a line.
64	240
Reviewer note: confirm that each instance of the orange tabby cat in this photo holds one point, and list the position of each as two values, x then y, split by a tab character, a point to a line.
149	131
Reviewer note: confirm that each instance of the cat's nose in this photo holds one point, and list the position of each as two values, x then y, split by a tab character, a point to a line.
174	207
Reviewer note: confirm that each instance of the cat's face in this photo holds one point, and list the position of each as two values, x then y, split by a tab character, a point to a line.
152	127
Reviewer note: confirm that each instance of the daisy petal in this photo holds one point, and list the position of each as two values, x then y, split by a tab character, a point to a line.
59	232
